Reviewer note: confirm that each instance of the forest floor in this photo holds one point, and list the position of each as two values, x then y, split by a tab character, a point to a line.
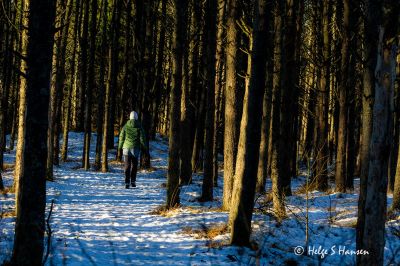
96	221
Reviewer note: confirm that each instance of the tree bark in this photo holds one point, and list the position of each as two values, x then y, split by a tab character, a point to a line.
101	88
376	200
209	73
111	85
68	96
178	39
231	102
240	215
30	224
19	158
320	172
90	83
340	172
369	53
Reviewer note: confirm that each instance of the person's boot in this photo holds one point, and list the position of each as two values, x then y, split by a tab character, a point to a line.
133	184
126	186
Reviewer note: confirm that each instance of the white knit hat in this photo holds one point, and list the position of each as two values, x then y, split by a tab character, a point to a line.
133	115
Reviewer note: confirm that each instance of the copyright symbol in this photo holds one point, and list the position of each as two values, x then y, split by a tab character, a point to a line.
299	250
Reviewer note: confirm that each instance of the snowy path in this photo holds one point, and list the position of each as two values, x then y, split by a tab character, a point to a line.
97	221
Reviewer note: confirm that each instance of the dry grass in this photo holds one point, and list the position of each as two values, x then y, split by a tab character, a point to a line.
193	210
7	214
8	166
7	190
352	224
208	232
165	212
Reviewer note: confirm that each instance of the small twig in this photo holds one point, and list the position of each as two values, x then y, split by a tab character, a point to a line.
49	232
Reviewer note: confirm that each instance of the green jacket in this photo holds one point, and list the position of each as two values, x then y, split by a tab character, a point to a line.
132	136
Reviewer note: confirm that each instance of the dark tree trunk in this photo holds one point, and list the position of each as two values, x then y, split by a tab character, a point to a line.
209	73
178	40
101	88
352	99
219	66
29	225
375	205
187	114
369	53
68	107
111	85
320	172
90	83
340	172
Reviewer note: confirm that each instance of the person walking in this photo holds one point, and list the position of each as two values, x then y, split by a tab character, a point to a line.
131	140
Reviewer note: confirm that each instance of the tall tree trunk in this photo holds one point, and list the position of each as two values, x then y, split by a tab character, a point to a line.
371	35
376	201
231	102
147	78
111	85
219	66
57	84
101	88
84	44
6	71
186	120
19	158
159	75
240	215
289	98
352	117
30	224
68	104
90	85
209	74
275	141
196	91
340	172
178	40
320	172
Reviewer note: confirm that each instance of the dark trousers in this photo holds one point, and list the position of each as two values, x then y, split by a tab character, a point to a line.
131	163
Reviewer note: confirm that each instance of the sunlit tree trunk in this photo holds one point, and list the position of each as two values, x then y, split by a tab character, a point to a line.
241	211
19	159
231	102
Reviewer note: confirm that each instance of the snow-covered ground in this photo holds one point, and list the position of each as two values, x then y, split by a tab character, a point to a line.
96	221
